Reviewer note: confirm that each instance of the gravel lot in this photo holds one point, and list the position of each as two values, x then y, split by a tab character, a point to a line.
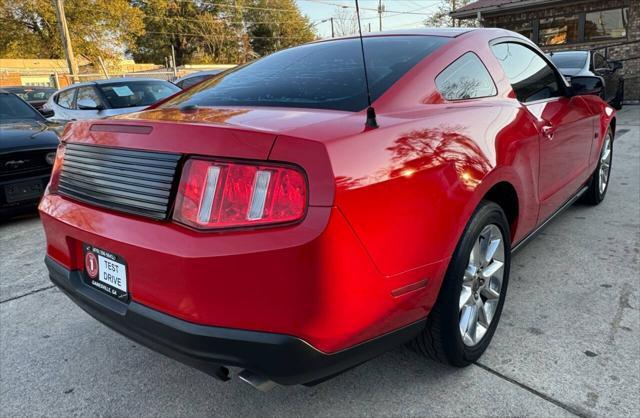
568	342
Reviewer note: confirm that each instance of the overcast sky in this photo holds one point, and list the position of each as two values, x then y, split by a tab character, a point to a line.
401	14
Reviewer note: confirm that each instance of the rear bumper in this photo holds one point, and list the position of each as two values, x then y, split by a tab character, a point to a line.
282	358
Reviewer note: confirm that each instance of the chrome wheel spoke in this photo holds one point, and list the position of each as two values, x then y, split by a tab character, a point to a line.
492	269
605	166
466	296
607	151
468	323
489	308
470	273
491	250
492	289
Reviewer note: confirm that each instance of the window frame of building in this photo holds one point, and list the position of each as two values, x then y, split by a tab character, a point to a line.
486	74
533	24
566	17
607	38
581	33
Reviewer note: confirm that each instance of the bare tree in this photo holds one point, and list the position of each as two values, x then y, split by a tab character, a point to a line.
440	18
346	22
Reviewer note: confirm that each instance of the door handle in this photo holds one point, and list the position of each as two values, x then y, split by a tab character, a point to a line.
548	131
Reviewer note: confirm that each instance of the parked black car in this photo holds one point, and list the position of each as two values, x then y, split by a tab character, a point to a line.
194	78
575	63
27	152
36	96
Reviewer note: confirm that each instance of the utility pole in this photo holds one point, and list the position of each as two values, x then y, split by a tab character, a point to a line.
333	34
380	10
66	40
453	9
173	62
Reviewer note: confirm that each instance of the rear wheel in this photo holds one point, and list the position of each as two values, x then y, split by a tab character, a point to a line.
600	180
466	314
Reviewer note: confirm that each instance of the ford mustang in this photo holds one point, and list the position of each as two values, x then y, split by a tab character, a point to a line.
280	220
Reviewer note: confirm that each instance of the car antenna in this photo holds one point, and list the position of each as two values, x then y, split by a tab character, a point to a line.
371	112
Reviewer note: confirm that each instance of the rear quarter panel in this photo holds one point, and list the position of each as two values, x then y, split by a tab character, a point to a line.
409	187
409	190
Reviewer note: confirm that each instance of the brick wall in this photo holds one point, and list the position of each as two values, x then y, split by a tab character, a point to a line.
626	50
9	79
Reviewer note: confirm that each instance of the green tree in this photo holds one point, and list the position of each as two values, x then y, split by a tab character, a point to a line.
97	28
276	24
167	23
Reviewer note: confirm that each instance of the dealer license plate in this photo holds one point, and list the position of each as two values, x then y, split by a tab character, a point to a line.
105	271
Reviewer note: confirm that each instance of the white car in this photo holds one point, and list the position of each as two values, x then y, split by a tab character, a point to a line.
103	98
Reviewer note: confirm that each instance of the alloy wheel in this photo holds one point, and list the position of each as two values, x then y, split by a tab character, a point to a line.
481	285
605	165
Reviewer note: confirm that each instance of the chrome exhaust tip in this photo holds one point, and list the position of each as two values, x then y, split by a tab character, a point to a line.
257	381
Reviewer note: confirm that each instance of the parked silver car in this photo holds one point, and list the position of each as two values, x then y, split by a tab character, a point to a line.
103	98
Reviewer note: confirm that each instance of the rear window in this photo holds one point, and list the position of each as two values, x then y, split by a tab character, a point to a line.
136	93
12	109
324	75
33	94
569	59
191	81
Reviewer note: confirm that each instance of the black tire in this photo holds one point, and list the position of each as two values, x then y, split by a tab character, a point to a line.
441	339
594	195
616	103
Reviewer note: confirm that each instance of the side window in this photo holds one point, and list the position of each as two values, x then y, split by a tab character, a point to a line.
465	78
599	63
88	93
65	98
530	76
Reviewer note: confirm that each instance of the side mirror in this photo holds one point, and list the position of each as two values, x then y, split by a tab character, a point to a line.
586	85
617	65
47	113
88	104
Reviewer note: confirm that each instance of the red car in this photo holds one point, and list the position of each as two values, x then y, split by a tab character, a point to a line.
264	220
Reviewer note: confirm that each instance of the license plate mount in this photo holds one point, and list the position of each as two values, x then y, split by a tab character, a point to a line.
25	190
106	271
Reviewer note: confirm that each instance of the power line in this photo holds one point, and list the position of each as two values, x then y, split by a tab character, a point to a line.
346	6
225	36
235	6
200	20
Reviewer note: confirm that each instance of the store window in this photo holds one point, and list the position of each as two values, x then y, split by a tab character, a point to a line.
606	24
524	28
558	30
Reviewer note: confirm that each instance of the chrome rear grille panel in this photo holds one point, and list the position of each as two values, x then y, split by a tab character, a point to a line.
132	181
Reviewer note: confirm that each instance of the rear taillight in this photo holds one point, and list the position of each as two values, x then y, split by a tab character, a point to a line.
215	194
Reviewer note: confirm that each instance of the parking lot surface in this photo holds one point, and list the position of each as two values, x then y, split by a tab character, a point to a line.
568	341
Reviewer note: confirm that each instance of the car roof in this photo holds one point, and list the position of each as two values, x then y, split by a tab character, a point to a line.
28	88
447	32
114	81
568	53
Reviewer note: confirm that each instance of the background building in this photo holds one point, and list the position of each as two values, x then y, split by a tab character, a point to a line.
611	27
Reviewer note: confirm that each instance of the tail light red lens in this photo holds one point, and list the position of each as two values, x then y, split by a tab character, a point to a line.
214	194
